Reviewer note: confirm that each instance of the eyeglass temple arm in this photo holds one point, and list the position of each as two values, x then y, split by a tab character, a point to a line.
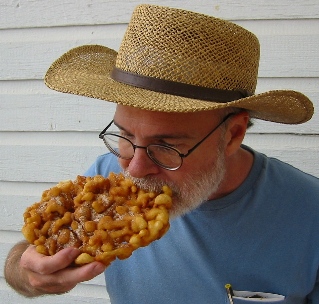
102	133
210	133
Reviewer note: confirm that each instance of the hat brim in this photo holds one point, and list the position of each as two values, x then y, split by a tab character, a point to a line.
86	70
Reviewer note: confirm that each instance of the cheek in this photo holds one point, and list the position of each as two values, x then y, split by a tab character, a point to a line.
201	161
197	160
123	163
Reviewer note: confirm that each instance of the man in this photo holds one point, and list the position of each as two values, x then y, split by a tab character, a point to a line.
184	84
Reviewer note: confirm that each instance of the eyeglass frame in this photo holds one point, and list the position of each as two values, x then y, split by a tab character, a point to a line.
181	155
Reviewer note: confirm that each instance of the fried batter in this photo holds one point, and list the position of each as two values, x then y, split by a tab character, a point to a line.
106	218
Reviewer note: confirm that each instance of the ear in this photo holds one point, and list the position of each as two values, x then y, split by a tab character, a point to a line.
235	133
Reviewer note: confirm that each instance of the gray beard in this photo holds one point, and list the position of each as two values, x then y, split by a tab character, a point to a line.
190	193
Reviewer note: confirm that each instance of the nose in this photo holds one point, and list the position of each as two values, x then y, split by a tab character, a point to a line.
141	165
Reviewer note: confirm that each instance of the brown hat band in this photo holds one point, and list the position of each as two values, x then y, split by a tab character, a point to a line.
176	88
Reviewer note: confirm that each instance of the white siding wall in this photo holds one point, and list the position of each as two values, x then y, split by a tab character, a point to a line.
47	136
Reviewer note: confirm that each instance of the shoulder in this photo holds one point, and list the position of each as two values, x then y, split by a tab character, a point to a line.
278	170
290	175
103	165
282	181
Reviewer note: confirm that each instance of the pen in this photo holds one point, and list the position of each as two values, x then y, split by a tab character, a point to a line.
230	293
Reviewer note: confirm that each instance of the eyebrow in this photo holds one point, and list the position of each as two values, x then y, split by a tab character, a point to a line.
160	136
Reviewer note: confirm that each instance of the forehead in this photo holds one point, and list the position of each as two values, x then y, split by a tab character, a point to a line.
130	117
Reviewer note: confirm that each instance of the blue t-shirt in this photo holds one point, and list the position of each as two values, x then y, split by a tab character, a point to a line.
261	237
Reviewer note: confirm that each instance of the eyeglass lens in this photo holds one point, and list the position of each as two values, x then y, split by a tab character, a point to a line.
124	148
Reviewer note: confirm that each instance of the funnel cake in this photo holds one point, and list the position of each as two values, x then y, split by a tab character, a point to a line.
106	218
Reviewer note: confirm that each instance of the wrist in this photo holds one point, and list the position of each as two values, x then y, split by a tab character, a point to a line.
14	274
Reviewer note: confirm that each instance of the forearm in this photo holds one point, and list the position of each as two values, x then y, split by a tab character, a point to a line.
14	273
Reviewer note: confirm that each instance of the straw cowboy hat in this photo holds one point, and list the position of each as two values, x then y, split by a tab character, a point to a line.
173	60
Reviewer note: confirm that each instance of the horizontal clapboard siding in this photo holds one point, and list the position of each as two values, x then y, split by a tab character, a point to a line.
47	136
288	47
42	13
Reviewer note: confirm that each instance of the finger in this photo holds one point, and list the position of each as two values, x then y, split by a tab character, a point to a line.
84	273
66	279
39	263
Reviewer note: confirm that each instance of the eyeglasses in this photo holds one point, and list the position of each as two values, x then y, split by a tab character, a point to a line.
164	156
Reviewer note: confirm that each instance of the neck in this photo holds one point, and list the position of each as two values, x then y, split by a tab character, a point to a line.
237	169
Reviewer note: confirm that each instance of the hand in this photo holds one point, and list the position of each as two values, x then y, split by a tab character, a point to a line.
53	274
